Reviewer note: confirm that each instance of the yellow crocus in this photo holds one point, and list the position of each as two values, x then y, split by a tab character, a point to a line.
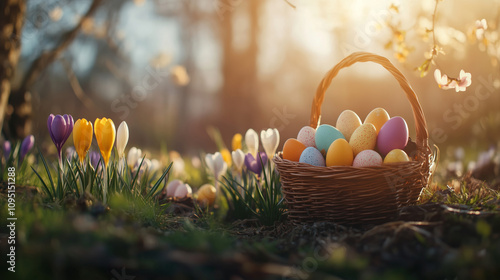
105	134
226	155
82	137
236	143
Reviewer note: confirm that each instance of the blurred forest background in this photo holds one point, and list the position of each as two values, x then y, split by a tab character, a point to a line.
172	68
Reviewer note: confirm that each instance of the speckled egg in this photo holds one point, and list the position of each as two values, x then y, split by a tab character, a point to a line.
392	135
312	156
378	117
367	158
347	123
339	153
306	136
363	138
325	135
396	155
292	149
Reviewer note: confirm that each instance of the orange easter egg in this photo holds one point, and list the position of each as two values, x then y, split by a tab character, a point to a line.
292	149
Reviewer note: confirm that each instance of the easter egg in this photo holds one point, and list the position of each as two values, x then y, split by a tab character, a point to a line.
306	136
325	135
184	190
172	187
378	117
392	135
339	153
367	158
347	122
312	156
363	138
396	155
292	149
206	194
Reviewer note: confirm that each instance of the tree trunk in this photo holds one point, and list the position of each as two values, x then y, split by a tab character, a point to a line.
11	23
239	93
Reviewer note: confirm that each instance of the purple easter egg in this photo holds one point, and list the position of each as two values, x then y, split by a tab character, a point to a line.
392	135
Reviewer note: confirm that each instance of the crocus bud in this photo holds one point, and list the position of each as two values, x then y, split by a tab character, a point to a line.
82	137
238	159
252	141
105	134
236	142
216	165
26	146
270	140
6	147
134	156
122	139
60	127
254	164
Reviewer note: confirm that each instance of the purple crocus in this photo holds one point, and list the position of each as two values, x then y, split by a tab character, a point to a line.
254	164
26	146
60	128
6	147
94	158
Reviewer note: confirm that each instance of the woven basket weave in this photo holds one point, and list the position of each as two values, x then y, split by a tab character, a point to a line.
356	195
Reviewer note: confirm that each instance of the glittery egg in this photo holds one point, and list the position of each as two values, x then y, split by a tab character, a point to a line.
312	156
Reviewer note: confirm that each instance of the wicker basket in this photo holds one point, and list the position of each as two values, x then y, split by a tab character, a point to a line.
356	195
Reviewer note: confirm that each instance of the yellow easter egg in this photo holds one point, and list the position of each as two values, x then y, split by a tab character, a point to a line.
206	195
339	153
377	117
363	138
347	123
396	155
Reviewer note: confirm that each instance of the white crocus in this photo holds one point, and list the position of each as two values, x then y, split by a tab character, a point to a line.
238	159
270	140
252	142
217	166
155	165
122	139
134	156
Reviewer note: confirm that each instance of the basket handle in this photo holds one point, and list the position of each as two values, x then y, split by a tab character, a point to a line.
418	114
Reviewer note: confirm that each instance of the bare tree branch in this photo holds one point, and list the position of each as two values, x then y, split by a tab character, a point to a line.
47	57
75	84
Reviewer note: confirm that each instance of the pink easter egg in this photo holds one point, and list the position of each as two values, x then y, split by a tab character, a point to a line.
306	136
184	190
392	135
367	158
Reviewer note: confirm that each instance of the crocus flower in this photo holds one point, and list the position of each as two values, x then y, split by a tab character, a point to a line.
236	142
252	141
226	155
60	127
238	159
6	147
270	140
94	158
216	164
134	156
255	164
26	146
105	134
122	139
82	137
